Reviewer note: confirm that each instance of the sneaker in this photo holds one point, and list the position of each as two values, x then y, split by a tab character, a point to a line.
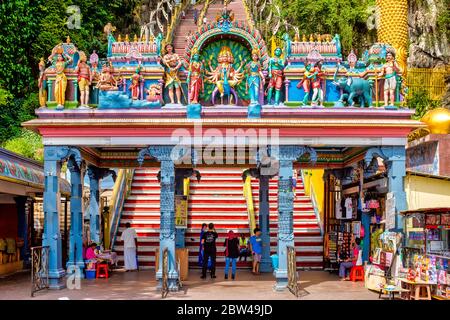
233	277
226	277
213	276
203	277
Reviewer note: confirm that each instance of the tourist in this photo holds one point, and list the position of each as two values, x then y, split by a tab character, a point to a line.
243	247
200	249
256	248
209	250
195	15
231	253
349	262
130	244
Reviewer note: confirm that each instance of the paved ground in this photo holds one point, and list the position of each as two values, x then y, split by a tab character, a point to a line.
315	285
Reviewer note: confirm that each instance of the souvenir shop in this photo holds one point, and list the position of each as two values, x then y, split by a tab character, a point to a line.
412	264
354	208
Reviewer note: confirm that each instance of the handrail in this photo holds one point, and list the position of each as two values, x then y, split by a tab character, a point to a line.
248	195
202	14
121	191
174	20
250	20
312	196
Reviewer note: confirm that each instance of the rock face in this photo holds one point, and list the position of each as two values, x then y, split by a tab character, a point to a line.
429	46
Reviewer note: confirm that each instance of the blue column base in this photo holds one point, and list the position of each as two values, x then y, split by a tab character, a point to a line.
265	265
254	111
56	279
180	237
172	279
194	111
282	280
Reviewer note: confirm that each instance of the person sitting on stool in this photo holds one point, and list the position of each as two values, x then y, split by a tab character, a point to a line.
347	263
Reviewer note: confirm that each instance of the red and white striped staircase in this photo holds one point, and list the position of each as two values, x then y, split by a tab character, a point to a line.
217	198
141	210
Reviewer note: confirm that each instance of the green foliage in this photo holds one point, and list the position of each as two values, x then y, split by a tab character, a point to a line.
30	30
421	102
27	144
348	18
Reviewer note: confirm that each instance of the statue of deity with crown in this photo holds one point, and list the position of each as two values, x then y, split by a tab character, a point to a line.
195	77
60	60
84	79
107	82
224	76
42	84
255	78
276	74
136	80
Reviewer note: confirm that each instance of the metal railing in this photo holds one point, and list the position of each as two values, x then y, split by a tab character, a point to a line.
203	13
121	191
248	195
312	196
292	271
39	269
430	80
175	19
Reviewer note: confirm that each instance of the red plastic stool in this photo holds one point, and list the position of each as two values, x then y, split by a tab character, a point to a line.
357	273
102	270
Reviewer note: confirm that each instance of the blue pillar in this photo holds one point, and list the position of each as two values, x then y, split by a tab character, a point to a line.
22	226
264	223
365	222
394	158
76	217
167	207
53	155
165	156
94	203
286	155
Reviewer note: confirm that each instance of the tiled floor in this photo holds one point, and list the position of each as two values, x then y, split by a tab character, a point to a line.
314	285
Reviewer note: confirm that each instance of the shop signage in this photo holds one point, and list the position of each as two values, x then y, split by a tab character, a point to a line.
390	211
181	211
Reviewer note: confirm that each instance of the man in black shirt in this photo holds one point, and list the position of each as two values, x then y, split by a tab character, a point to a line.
209	250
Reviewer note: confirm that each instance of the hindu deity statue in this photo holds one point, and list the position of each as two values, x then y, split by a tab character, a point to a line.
255	79
60	63
136	80
276	72
154	93
172	64
93	59
306	82
390	70
107	82
317	79
224	76
195	77
84	79
42	84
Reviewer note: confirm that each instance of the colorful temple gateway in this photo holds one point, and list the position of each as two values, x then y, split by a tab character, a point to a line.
203	117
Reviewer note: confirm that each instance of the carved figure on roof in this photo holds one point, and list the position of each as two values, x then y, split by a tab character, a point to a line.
84	79
255	78
276	74
195	77
390	71
42	84
172	63
224	76
107	82
60	60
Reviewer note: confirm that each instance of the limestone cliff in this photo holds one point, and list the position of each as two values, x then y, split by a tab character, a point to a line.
428	33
